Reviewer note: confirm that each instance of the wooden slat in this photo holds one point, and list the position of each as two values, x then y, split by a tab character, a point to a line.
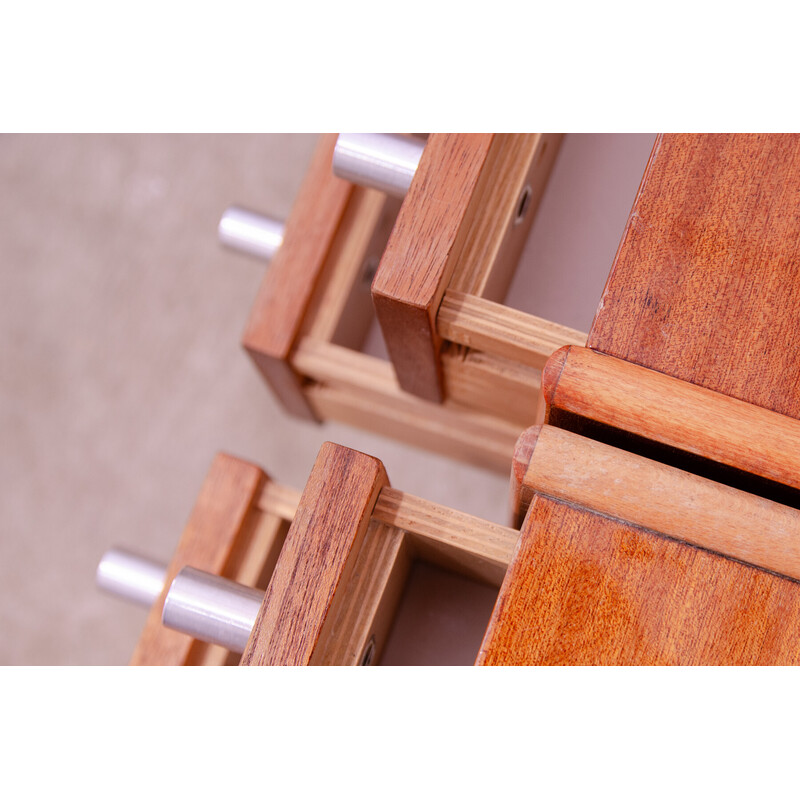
491	385
706	283
318	556
495	329
652	495
280	500
586	589
454	221
496	235
675	413
367	603
211	541
340	309
469	545
419	258
283	299
362	391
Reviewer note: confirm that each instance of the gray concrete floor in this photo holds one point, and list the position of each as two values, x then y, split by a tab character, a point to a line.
120	362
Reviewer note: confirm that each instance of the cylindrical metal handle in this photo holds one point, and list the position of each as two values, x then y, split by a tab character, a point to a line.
211	608
251	233
381	161
132	577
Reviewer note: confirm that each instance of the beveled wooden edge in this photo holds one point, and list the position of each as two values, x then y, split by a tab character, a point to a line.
285	293
457	230
318	556
663	499
672	412
210	541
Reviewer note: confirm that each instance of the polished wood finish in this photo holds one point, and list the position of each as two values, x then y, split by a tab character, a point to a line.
615	393
652	495
706	283
587	589
318	556
456	229
221	527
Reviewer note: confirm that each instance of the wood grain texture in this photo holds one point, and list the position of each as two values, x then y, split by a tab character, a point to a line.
419	258
706	283
652	495
212	540
456	224
340	309
676	413
586	589
497	234
367	603
362	391
497	330
521	495
317	558
466	544
285	294
492	385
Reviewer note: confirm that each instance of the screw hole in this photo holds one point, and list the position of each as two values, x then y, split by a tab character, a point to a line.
369	270
523	205
369	652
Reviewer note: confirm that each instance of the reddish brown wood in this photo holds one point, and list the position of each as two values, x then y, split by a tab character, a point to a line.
586	589
280	307
417	264
706	283
318	555
211	541
681	415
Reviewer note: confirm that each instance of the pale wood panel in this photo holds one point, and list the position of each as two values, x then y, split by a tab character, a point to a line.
467	544
491	385
367	603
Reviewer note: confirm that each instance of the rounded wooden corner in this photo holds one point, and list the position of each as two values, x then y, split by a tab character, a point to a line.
551	373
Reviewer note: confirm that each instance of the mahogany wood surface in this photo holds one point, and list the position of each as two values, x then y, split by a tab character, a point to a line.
318	556
212	541
706	283
456	222
673	412
587	589
418	261
285	294
705	290
652	495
